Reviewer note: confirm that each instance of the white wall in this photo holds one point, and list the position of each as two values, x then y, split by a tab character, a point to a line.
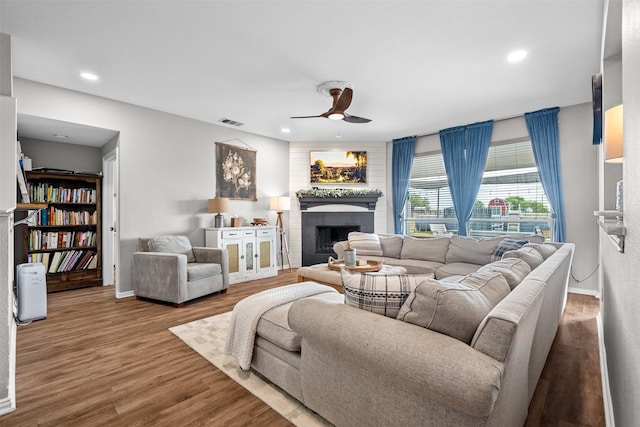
167	165
620	306
299	179
58	155
579	162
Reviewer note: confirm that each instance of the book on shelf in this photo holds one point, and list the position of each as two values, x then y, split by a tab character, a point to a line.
22	182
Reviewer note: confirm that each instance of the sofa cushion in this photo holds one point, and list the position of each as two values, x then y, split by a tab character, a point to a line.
454	309
545	249
506	245
428	249
513	269
379	293
365	243
391	245
172	245
274	327
529	255
455	269
470	250
201	270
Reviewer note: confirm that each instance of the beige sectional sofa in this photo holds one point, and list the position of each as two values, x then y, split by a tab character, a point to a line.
355	367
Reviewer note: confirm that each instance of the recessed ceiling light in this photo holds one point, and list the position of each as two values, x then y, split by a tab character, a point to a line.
57	135
88	76
517	55
338	136
285	130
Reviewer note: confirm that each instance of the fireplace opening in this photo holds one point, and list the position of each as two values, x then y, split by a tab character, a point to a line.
327	236
321	230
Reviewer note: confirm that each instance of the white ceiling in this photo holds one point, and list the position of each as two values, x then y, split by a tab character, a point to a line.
415	66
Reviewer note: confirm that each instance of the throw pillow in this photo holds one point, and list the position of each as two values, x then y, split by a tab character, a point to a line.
427	249
514	270
506	245
545	249
365	243
472	251
454	309
391	245
172	245
377	292
529	255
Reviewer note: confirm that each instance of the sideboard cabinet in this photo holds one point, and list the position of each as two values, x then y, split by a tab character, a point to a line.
252	251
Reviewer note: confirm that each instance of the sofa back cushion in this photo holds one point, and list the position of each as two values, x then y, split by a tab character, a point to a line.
455	309
365	243
379	293
470	250
427	249
528	255
545	249
391	245
514	270
172	245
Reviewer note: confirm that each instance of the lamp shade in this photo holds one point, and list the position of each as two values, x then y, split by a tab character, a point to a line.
613	135
219	204
280	203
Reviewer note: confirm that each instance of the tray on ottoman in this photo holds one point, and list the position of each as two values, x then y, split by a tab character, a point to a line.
362	266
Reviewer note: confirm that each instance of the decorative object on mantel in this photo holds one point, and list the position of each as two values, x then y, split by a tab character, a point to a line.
235	172
218	206
362	197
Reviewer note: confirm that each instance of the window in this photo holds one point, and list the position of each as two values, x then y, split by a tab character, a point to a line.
510	200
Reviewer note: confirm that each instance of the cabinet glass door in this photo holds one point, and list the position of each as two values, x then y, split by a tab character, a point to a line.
249	256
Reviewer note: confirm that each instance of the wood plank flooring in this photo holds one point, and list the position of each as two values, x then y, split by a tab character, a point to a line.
100	361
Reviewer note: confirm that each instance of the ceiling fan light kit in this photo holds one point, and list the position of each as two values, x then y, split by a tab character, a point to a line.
341	92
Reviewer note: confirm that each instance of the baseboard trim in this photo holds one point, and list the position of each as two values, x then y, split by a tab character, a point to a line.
604	372
125	294
7	405
581	291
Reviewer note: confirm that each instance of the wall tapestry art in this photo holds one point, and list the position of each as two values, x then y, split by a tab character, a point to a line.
235	172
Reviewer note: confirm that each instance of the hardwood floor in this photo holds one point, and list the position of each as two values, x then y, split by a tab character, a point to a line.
100	361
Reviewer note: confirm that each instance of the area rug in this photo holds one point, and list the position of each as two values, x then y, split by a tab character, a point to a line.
207	337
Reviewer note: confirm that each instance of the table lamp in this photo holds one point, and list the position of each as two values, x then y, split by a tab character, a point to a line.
218	206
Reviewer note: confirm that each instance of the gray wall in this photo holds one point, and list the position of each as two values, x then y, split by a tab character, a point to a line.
57	155
166	165
620	306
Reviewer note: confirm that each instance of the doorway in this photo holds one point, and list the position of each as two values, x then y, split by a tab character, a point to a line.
110	219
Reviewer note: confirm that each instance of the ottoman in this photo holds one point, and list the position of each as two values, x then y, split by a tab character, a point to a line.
276	351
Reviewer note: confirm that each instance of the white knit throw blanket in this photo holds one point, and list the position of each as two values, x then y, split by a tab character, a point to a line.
245	316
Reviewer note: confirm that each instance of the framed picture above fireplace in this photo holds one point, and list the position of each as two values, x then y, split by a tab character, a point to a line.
338	167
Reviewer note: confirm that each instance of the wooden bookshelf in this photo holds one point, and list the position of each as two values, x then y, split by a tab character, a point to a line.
65	232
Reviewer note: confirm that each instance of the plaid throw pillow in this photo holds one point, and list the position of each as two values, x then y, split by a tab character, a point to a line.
506	245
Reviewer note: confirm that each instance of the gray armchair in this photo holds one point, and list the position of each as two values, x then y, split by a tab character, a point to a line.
167	268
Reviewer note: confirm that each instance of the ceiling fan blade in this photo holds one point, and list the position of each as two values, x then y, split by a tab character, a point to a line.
355	119
307	117
343	101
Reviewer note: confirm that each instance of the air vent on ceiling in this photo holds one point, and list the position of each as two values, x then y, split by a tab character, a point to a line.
230	122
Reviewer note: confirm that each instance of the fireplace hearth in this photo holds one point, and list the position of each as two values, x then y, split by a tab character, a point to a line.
320	230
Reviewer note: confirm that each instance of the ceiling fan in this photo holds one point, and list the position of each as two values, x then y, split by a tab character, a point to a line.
341	93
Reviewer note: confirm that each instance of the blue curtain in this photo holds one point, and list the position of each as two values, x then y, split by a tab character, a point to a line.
465	150
403	150
543	130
